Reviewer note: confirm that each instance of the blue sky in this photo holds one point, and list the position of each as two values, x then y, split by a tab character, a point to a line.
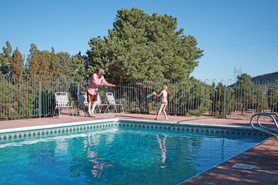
233	33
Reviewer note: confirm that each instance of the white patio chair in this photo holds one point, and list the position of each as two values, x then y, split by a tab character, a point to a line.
62	102
83	102
100	106
112	103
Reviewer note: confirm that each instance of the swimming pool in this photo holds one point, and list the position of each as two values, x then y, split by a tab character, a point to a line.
118	152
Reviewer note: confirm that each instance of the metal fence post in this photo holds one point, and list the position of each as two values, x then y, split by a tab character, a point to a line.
40	99
224	102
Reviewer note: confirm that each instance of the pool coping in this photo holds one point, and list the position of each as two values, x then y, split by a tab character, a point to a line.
9	130
20	129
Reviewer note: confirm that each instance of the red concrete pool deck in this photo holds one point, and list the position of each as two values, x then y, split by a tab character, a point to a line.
258	165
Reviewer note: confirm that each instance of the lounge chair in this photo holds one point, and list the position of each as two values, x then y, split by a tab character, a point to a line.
101	106
112	103
62	102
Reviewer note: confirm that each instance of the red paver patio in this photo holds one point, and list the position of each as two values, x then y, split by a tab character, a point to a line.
264	156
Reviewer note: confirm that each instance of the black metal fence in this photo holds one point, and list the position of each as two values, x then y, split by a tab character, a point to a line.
33	97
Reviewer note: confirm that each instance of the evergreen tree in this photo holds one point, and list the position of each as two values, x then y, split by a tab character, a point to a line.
249	95
65	60
6	58
3	64
72	66
244	84
33	61
17	63
273	97
229	100
141	47
44	63
78	66
54	68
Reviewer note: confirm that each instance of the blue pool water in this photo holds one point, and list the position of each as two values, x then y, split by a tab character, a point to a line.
116	156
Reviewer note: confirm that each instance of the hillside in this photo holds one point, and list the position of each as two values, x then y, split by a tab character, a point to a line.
270	77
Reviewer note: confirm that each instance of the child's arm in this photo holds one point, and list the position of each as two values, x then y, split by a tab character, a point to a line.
158	95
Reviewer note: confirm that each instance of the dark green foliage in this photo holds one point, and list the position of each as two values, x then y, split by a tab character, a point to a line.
17	63
219	95
17	98
33	61
11	62
189	97
143	47
273	97
250	95
54	68
6	58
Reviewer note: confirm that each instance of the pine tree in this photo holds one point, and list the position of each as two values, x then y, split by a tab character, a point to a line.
17	63
6	58
64	58
77	66
54	68
44	63
144	47
3	64
33	61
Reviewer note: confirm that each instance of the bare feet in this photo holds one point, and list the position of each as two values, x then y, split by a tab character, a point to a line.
166	118
155	118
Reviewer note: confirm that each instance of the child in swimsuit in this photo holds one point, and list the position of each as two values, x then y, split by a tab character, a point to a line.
164	102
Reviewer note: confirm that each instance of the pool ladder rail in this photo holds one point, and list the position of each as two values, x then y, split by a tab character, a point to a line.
260	127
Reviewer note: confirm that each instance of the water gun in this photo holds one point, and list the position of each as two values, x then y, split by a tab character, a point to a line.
111	85
151	94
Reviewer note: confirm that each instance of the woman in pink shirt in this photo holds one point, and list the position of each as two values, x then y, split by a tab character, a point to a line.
96	80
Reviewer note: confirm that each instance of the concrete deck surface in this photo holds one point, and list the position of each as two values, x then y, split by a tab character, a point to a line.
263	157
